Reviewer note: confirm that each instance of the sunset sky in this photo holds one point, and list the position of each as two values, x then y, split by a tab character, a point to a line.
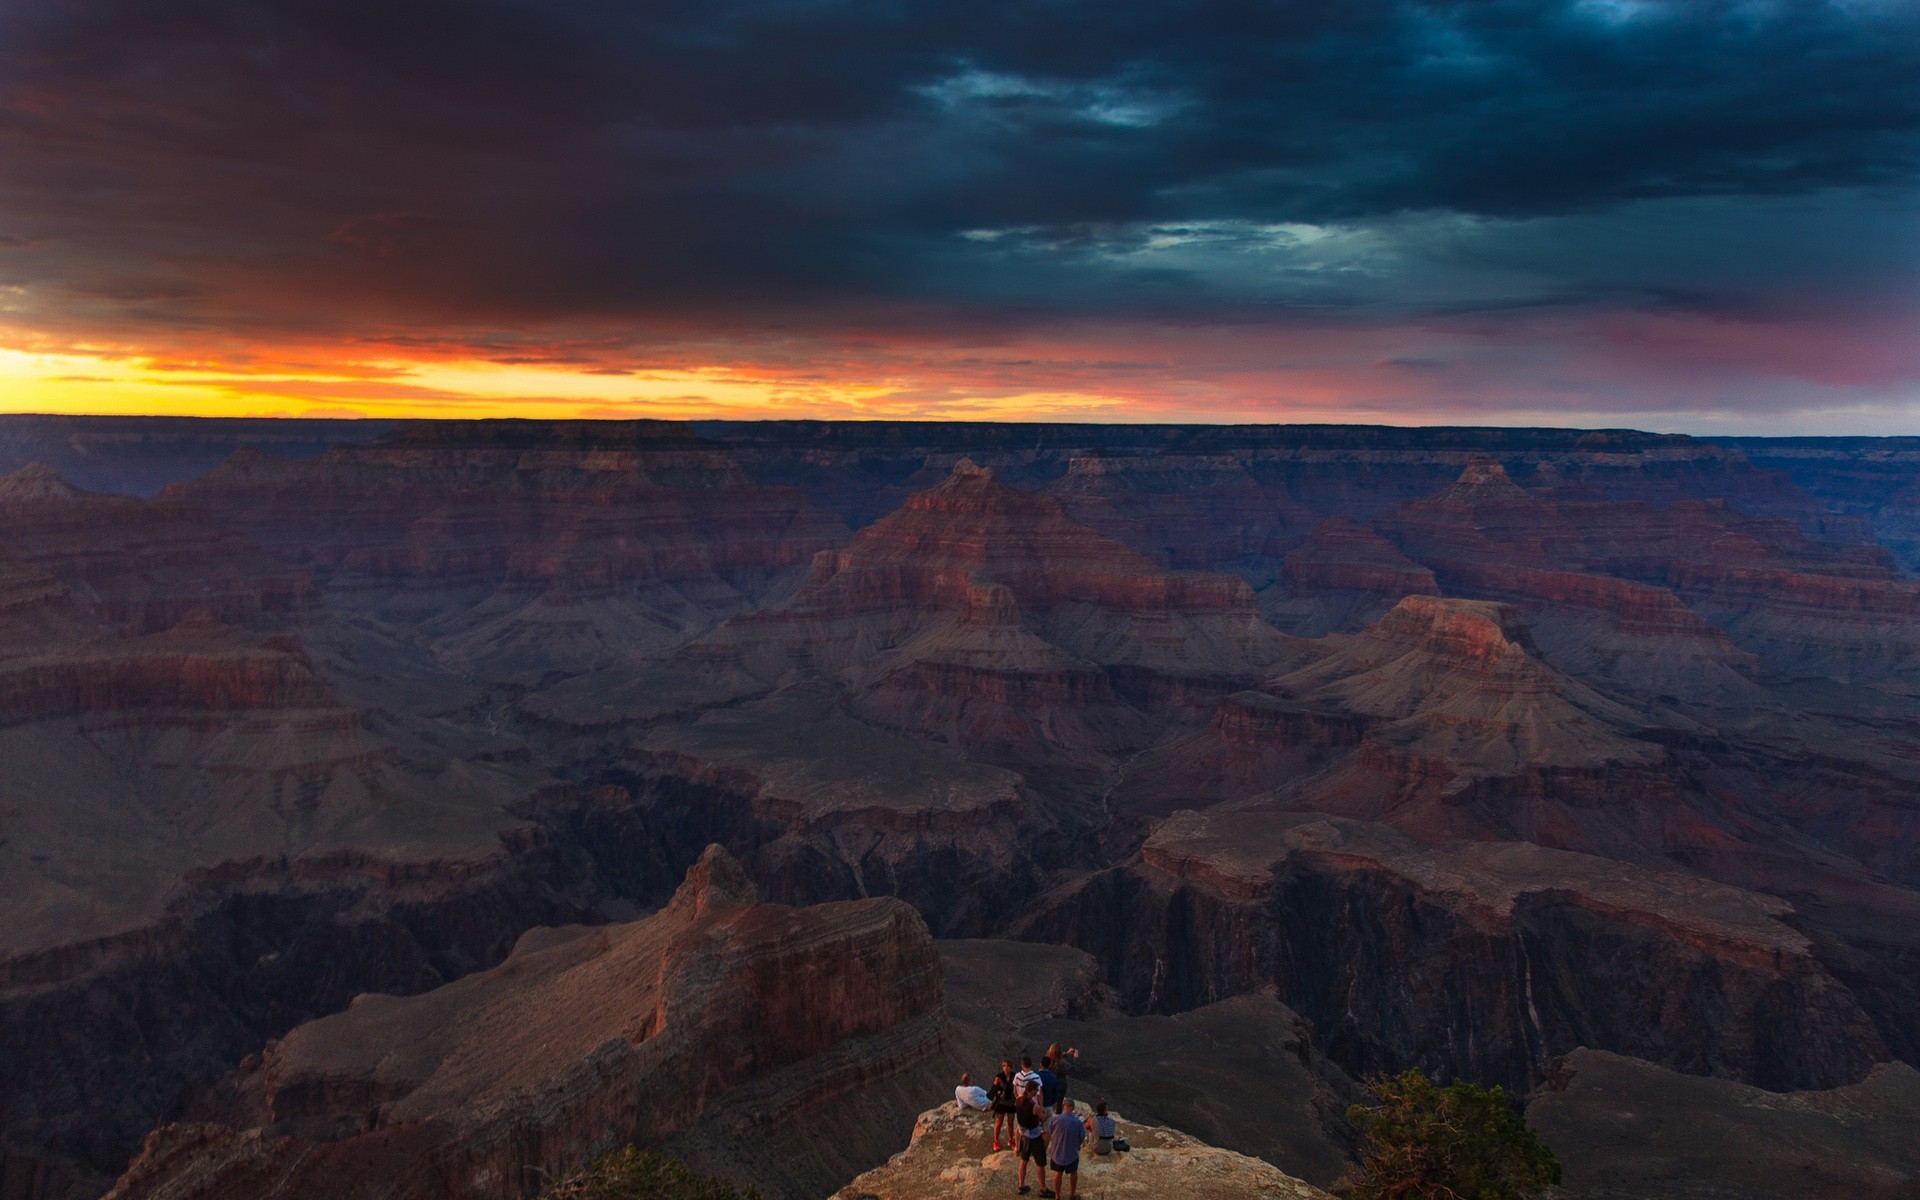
1670	214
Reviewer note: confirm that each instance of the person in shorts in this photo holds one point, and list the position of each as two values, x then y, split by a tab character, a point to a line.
1001	1096
1028	1115
1065	1134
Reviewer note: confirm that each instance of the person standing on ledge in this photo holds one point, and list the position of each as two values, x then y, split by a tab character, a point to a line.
1050	1090
1033	1137
1065	1133
1060	1058
1026	1076
1001	1095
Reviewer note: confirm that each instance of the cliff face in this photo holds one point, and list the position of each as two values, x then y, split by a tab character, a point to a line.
1482	959
822	806
583	1040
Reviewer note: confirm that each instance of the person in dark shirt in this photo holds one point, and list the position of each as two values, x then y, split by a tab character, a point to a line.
1001	1095
1061	1059
1033	1136
1065	1133
1050	1090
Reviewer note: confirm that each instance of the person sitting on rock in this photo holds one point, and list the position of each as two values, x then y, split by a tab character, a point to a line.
1033	1136
1065	1133
1001	1095
968	1095
1105	1129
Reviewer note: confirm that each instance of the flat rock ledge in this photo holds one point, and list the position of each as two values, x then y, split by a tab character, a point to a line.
950	1158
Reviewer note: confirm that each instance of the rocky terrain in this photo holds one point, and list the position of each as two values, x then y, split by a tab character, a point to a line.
583	1040
1628	1129
946	1160
1335	749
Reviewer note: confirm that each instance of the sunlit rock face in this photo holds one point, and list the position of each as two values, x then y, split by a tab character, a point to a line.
583	1040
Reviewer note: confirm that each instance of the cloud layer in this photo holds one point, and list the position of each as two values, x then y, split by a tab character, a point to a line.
1626	206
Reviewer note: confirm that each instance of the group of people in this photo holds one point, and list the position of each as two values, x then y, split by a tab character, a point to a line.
1032	1110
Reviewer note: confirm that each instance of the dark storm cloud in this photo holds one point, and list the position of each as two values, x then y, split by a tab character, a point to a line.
329	163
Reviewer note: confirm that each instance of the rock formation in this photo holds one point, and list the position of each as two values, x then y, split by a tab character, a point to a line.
527	549
949	1160
585	1039
1459	749
1628	1130
1483	959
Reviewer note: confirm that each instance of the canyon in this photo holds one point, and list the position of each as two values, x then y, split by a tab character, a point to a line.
1482	751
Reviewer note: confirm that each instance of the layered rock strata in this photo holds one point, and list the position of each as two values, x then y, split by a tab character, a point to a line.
526	550
583	1040
1480	959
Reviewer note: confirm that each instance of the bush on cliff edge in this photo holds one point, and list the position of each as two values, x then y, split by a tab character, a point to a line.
1459	1142
632	1174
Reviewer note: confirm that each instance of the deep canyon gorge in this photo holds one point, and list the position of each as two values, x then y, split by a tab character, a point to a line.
1560	760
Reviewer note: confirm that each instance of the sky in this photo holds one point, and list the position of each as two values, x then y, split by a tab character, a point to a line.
1685	215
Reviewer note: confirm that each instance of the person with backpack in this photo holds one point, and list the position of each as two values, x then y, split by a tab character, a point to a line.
1029	1116
1000	1095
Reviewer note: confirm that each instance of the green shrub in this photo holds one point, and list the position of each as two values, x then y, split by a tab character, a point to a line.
1454	1143
632	1174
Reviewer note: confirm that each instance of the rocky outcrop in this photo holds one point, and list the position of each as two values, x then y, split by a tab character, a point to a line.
583	1040
984	615
1635	637
1802	606
949	1159
1482	959
1470	733
187	675
1242	1073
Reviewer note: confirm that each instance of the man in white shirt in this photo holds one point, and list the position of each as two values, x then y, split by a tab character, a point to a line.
1026	1076
970	1096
